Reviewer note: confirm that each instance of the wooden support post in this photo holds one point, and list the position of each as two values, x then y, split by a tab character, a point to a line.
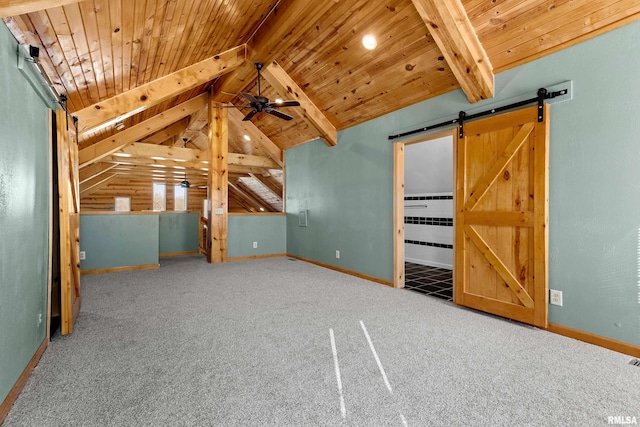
398	215
69	218
218	179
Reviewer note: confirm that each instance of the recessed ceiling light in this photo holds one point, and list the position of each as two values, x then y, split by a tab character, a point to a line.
369	42
247	137
261	209
279	101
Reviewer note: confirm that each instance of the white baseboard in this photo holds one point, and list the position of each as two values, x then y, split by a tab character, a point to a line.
429	263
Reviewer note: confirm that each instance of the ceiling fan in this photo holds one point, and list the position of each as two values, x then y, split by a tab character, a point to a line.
260	103
185	183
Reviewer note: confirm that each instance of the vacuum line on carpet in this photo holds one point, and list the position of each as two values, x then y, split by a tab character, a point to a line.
343	409
375	355
404	420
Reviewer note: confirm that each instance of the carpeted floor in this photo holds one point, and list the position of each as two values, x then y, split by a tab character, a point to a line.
250	344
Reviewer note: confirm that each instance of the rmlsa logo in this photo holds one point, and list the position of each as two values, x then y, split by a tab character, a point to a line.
619	419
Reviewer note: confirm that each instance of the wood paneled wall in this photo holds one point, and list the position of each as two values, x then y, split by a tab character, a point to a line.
141	193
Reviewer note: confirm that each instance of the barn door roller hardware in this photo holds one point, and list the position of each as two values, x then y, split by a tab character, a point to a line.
542	95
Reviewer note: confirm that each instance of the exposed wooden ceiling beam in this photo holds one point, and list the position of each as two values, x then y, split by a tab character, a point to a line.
452	31
191	155
251	193
243	204
245	169
275	189
168	132
139	149
95	183
253	161
179	165
251	198
148	176
94	170
153	93
289	20
107	146
193	133
285	86
159	171
171	164
256	135
20	7
264	192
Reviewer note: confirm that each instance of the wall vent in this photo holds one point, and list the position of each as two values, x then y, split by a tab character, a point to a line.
634	362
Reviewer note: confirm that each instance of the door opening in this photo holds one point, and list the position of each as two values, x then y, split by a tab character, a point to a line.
428	217
423	214
500	250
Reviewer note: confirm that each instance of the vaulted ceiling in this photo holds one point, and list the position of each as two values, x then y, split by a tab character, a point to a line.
100	52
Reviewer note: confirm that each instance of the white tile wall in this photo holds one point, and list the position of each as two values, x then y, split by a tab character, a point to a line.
428	255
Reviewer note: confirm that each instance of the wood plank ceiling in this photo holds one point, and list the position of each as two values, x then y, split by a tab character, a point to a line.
95	50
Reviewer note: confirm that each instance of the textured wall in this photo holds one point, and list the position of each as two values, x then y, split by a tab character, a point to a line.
24	217
179	232
594	253
268	230
119	240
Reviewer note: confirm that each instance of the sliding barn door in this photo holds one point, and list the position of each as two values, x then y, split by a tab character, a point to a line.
502	216
69	207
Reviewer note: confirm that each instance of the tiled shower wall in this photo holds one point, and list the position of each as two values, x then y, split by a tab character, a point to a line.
428	229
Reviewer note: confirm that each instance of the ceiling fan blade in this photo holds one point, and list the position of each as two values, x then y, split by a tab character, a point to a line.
249	97
250	115
277	113
232	106
284	104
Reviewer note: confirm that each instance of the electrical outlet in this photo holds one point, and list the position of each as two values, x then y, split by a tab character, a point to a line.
255	245
337	254
555	297
83	255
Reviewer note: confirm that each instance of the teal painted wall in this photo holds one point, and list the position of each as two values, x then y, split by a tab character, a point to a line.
120	240
179	231
24	217
268	230
594	202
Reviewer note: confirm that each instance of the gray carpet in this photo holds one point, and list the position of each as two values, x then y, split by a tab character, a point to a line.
248	344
